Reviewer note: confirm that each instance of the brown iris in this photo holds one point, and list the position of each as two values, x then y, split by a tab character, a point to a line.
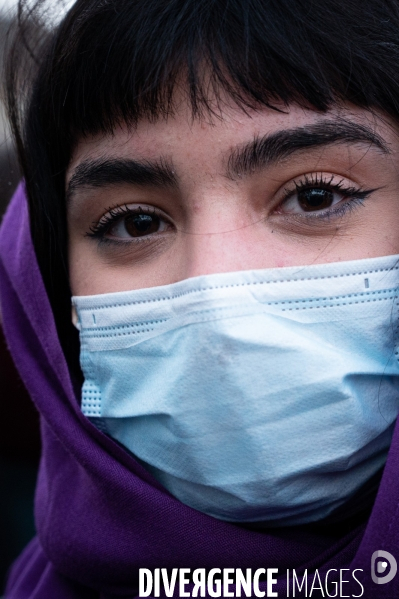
315	199
138	225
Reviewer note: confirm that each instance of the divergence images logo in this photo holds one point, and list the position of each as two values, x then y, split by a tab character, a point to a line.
379	565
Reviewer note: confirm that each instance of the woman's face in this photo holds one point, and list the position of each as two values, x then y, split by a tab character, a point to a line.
181	197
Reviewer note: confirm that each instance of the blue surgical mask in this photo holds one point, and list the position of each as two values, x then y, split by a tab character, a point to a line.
261	395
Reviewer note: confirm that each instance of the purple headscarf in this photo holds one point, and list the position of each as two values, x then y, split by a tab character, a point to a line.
100	516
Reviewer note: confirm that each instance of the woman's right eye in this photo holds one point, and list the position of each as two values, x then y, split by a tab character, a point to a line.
138	225
126	223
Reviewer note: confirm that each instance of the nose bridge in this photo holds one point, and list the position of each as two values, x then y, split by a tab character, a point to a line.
224	251
204	253
223	230
209	229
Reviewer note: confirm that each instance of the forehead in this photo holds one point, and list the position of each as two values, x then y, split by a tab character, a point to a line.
212	139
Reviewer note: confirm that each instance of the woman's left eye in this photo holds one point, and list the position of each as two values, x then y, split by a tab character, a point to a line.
310	200
320	197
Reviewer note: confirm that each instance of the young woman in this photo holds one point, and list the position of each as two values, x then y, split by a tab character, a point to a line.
199	283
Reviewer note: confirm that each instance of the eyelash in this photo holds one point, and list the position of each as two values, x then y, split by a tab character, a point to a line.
355	196
114	214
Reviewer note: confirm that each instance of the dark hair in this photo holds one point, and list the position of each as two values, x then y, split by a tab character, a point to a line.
119	60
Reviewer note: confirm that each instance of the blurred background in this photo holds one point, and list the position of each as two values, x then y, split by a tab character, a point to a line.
19	438
8	165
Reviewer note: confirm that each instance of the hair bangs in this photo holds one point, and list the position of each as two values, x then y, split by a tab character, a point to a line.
114	61
123	61
127	60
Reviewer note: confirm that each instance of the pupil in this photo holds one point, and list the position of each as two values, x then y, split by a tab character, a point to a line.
141	224
315	199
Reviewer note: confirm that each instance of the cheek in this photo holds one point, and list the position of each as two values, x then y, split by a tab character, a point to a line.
379	235
95	270
81	271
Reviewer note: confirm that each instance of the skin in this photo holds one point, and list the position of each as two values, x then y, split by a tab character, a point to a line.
214	220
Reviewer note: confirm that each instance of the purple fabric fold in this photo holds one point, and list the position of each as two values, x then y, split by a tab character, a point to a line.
100	516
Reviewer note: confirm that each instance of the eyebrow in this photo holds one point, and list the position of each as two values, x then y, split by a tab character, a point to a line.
266	150
113	171
255	155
